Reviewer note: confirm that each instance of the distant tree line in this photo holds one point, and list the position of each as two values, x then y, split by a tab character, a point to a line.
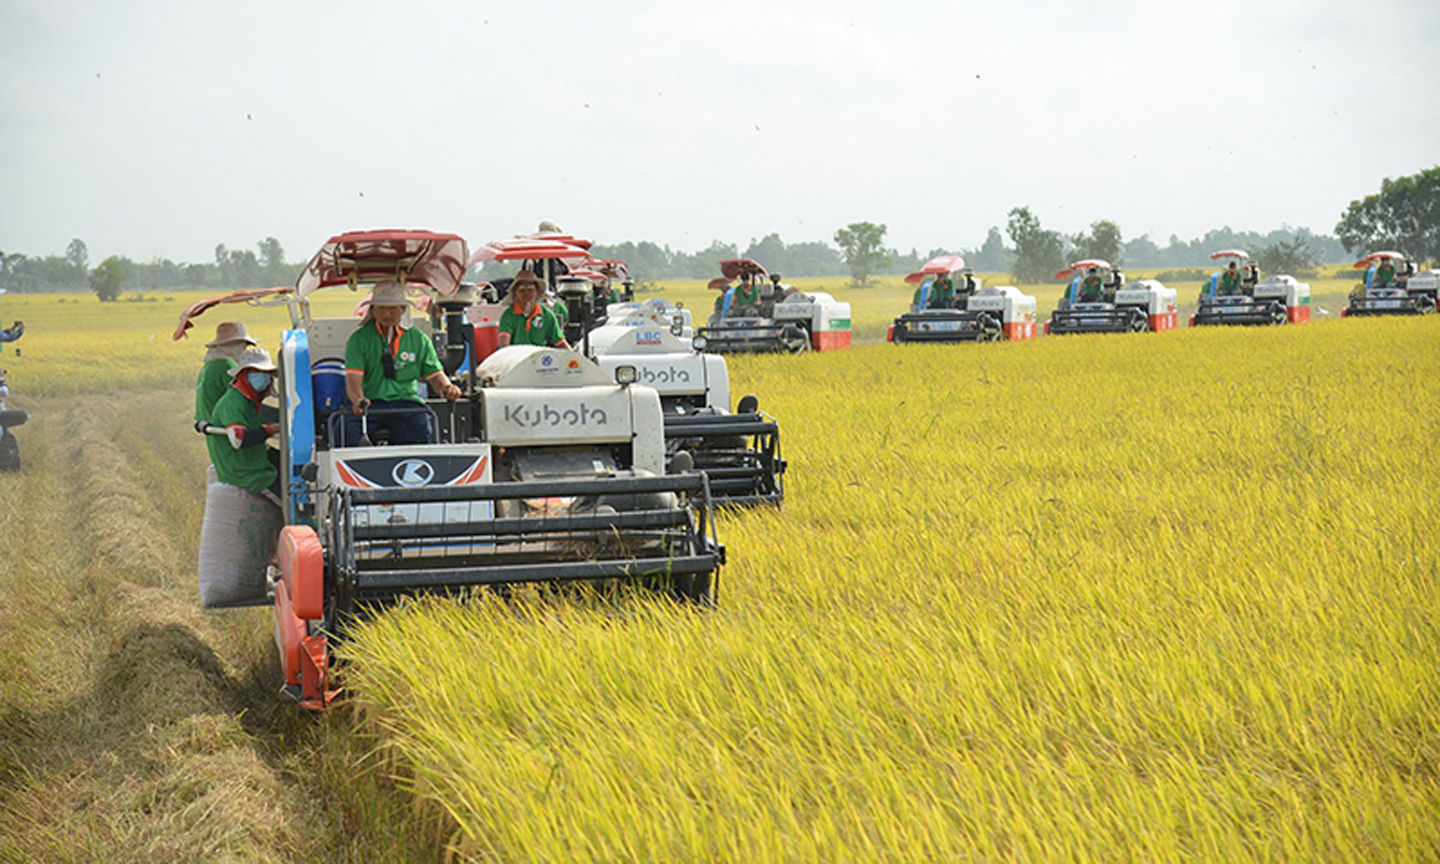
232	269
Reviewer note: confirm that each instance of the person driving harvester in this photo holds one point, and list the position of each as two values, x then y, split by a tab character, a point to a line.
1092	289
1230	280
525	320
383	362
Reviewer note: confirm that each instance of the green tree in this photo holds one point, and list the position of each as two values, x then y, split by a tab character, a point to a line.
105	280
1294	257
1405	216
1038	252
78	254
1102	242
862	244
272	262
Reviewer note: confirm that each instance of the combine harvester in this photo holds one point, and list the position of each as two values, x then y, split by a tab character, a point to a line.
1110	307
1392	287
547	470
783	319
1276	300
970	315
739	452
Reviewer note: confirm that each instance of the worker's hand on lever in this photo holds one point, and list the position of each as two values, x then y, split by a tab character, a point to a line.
360	407
447	389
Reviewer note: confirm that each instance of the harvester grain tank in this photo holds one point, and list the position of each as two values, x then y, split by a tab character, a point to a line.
1244	298
547	470
1392	286
1099	301
952	307
782	318
740	451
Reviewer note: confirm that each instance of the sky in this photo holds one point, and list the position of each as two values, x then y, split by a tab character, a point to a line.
160	129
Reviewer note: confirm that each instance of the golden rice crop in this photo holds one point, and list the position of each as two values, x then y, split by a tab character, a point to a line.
1164	596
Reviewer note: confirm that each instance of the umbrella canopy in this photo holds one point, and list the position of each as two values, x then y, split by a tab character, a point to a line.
1230	253
1077	266
255	297
734	268
941	265
436	260
567	239
593	275
1375	257
611	267
717	284
526	249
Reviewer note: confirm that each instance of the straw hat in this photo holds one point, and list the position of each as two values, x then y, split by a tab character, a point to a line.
253	358
548	227
229	332
388	294
525	279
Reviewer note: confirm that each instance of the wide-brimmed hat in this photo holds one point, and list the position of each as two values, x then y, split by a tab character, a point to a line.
388	294
548	227
228	332
526	279
253	358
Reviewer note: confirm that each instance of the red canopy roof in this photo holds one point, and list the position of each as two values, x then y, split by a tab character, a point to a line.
719	284
1378	256
253	297
611	267
526	249
734	268
941	265
1097	263
1230	253
437	260
568	239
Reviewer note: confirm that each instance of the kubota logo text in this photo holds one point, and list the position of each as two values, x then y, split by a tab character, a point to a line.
664	376
544	415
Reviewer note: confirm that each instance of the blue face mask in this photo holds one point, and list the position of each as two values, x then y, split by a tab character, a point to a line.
259	381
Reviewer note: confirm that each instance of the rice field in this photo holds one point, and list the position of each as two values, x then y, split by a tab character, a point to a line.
1173	596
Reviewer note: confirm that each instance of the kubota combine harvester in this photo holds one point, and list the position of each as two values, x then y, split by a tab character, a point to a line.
1099	301
952	307
1392	287
780	318
547	470
1239	296
739	452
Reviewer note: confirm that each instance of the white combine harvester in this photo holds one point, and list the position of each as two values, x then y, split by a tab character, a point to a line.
1111	306
969	314
739	452
549	469
783	320
1275	300
1392	286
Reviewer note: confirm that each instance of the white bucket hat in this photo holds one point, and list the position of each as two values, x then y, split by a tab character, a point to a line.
253	358
228	332
388	294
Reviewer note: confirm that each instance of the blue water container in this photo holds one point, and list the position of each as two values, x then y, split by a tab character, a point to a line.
328	377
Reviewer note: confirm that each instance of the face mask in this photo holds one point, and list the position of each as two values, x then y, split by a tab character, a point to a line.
259	381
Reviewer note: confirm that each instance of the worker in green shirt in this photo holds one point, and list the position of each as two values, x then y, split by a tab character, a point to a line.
942	293
384	363
1384	274
1230	280
747	294
222	352
240	456
1092	289
525	321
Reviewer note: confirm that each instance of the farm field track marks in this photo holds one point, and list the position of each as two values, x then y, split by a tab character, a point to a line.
133	725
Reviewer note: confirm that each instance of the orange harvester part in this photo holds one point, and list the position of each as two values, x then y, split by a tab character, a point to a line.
304	657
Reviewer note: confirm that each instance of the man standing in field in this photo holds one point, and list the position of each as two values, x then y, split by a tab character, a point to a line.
222	352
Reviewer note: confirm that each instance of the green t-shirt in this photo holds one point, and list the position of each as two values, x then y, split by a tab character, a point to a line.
1385	273
415	358
746	295
1092	287
1230	282
542	328
213	381
250	468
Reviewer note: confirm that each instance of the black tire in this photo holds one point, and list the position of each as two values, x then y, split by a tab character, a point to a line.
1139	323
796	339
